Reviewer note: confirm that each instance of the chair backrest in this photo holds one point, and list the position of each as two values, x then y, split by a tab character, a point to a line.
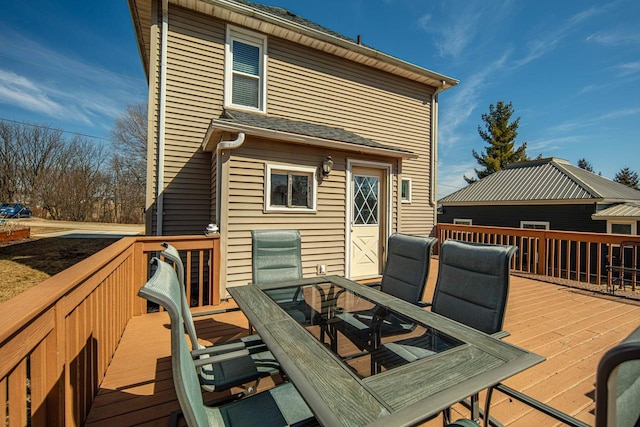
171	254
618	384
163	288
473	284
407	268
277	256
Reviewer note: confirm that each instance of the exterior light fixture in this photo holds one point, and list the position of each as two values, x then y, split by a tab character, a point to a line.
327	166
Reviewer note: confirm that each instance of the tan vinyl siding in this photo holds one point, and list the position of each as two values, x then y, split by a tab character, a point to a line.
195	63
323	232
304	84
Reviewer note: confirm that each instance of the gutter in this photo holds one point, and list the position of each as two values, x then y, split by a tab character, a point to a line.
434	142
162	113
224	145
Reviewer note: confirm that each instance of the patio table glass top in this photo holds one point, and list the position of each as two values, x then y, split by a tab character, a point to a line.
367	335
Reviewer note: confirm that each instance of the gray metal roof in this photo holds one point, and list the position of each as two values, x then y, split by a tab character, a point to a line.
549	180
624	210
300	128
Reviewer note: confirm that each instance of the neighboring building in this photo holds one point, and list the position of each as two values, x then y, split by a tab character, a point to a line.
546	194
248	102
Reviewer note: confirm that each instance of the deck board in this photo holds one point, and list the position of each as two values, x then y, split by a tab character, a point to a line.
571	328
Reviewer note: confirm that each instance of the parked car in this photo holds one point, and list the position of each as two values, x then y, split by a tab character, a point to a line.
14	210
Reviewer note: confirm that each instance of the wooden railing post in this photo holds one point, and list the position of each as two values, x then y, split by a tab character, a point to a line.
542	254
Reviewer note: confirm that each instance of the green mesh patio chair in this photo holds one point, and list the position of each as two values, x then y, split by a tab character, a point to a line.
226	365
277	257
280	406
254	341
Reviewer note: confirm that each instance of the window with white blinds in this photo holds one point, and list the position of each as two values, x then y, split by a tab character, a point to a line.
245	70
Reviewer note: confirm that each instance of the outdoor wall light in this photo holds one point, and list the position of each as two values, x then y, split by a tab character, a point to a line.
327	166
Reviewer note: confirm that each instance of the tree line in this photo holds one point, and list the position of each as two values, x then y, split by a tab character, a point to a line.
75	178
500	134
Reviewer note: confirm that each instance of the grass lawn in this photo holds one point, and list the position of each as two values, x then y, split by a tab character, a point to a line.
28	262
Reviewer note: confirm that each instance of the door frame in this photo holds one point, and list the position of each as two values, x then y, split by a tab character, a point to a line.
385	232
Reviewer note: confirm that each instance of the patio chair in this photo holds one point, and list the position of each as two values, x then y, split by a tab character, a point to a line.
277	257
279	406
405	276
254	341
472	288
618	384
218	367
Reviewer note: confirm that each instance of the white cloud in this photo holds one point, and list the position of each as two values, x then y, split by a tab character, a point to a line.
549	40
614	38
20	91
460	105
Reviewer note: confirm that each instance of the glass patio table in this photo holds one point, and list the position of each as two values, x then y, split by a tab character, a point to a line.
362	357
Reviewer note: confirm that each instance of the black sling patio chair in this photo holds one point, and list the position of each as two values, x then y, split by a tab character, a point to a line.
472	288
251	346
279	406
405	276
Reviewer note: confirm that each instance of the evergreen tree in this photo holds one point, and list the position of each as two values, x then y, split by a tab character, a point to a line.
500	134
585	164
627	177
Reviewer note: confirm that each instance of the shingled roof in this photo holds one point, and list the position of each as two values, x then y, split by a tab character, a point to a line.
549	180
287	130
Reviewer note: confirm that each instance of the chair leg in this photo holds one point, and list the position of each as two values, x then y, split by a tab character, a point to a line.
475	408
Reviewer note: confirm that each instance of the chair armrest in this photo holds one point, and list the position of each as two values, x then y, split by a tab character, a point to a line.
218	349
214	312
540	406
220	357
501	334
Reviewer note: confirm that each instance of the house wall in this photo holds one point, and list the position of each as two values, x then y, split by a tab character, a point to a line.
303	84
322	232
560	217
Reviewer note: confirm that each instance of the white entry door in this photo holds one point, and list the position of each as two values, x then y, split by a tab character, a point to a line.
366	221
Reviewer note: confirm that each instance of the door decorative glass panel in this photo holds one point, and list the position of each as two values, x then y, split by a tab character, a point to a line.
365	200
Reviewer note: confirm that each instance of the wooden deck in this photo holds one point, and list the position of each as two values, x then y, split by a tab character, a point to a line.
571	328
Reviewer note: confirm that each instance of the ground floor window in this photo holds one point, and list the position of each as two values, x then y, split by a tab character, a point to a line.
622	227
462	221
535	225
290	188
406	190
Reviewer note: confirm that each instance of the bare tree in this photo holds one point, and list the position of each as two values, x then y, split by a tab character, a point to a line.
129	164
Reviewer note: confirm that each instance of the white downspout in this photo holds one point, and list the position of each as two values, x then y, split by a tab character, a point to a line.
224	145
434	141
162	112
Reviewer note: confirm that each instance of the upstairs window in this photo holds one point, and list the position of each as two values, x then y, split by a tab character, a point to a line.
245	67
621	227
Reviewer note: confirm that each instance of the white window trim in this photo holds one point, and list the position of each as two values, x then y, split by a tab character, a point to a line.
408	199
253	38
545	223
311	171
462	221
632	223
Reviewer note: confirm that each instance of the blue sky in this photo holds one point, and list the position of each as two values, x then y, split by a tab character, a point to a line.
571	68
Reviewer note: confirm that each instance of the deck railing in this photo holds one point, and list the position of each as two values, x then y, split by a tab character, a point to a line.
581	257
58	338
